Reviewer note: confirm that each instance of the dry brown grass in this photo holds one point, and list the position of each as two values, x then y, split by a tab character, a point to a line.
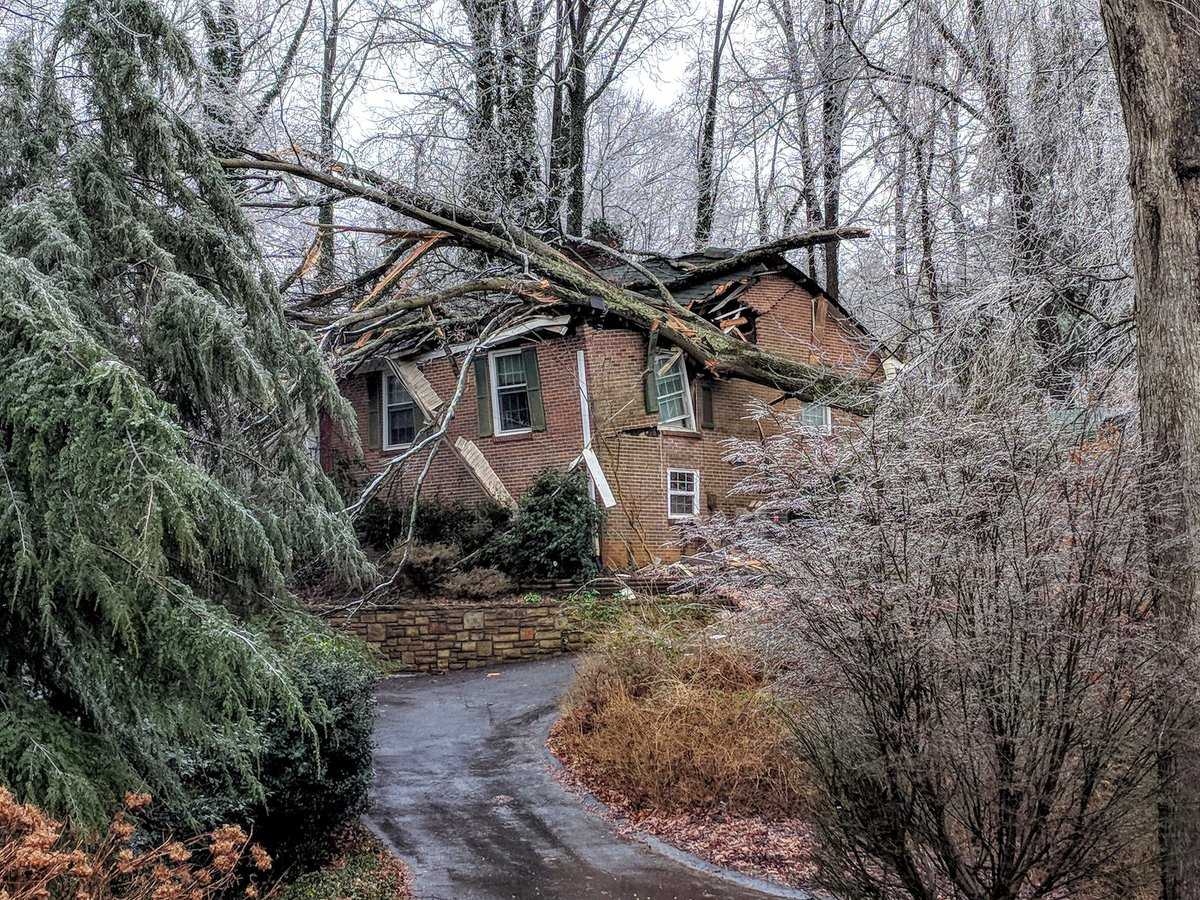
39	859
667	717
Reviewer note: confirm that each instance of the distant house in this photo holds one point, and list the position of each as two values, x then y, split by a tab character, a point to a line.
580	389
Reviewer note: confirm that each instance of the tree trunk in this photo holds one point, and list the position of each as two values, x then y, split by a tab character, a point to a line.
705	189
782	9
577	103
326	264
556	162
833	124
1155	48
900	222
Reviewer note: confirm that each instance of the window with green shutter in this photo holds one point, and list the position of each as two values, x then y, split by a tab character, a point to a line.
516	392
401	418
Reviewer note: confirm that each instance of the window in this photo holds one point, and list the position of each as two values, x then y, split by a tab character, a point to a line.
683	493
816	416
399	415
674	398
510	393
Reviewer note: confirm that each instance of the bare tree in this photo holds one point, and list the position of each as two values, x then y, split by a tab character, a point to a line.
706	188
1155	49
231	113
956	593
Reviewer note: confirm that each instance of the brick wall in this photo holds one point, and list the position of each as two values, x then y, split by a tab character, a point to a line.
428	638
517	459
636	457
634	454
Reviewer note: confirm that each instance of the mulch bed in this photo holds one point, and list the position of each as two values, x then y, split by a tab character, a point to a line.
777	849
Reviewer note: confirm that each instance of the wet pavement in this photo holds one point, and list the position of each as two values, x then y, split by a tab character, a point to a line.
465	795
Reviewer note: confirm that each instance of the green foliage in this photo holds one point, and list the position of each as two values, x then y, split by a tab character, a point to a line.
309	793
313	772
363	870
592	610
469	526
155	491
480	583
554	533
426	565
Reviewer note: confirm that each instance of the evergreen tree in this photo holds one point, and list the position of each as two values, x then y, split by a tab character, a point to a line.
155	490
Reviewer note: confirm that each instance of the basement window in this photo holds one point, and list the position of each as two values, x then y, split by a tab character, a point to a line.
674	395
683	493
817	418
399	415
510	393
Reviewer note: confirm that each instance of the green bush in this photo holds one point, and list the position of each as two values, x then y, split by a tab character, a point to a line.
311	788
382	523
313	774
425	565
468	526
554	535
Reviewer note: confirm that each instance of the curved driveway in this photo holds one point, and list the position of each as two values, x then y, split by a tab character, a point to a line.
464	794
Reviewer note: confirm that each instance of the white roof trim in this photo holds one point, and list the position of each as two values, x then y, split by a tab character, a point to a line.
417	385
556	324
588	458
477	463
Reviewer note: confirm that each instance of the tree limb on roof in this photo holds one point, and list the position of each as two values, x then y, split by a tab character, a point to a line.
573	285
705	271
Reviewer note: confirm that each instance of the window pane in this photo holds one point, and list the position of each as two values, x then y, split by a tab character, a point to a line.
510	370
813	415
672	381
402	425
681	505
396	392
672	391
682	481
671	409
514	410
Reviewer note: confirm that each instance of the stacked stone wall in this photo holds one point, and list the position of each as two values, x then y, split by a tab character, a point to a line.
428	638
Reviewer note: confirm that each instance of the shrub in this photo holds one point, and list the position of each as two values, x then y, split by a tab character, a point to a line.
959	592
40	858
670	718
555	531
313	773
478	584
468	526
425	565
315	781
361	869
381	524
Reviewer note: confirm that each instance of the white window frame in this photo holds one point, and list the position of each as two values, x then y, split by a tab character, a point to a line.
688	422
826	427
695	494
495	391
385	421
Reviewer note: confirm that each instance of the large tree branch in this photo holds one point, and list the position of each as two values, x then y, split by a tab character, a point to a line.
574	286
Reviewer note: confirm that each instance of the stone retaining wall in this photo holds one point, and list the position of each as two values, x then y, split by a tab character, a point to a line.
428	638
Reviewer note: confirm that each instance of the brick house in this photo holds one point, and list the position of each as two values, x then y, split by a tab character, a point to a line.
585	390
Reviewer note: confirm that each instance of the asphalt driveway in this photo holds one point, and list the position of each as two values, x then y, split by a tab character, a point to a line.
465	795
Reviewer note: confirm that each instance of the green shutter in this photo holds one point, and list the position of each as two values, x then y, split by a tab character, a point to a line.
483	396
650	383
374	410
706	406
533	387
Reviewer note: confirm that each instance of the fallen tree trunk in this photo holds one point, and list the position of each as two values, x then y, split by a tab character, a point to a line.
574	286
